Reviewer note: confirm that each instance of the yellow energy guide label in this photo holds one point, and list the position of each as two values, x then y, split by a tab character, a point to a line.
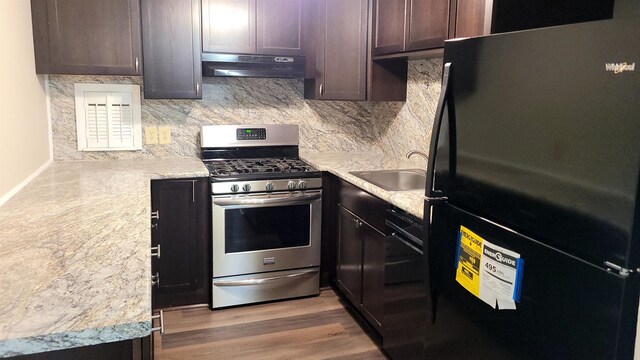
469	255
490	272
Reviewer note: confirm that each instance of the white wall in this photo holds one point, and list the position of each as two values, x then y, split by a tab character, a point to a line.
24	128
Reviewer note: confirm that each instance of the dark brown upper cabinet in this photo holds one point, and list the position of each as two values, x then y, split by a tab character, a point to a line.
93	37
280	27
272	27
427	24
389	19
338	65
470	18
341	50
171	44
409	25
229	26
483	17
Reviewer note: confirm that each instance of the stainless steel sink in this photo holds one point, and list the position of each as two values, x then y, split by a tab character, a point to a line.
394	180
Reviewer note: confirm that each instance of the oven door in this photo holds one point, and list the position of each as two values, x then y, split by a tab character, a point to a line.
266	232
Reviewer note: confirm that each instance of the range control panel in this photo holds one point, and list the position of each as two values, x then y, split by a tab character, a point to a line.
251	134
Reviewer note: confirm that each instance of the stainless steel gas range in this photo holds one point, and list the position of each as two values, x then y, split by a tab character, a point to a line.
266	214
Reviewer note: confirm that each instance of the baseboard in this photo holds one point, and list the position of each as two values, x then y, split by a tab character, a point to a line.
4	198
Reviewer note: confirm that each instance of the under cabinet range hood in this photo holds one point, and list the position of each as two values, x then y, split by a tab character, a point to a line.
264	66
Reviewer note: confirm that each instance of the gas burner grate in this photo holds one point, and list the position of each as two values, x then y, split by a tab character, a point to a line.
234	167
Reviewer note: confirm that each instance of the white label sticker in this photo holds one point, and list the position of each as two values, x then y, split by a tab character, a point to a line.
500	271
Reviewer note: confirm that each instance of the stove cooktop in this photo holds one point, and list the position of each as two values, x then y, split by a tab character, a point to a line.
259	168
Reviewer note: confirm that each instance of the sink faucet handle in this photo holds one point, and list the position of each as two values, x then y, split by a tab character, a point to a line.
417	152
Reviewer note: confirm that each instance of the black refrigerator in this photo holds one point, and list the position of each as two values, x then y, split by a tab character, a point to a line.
532	215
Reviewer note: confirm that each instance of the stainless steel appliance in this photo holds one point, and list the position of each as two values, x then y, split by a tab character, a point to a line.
266	214
242	65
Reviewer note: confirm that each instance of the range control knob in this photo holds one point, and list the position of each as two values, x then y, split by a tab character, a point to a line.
291	185
269	186
302	185
246	187
235	188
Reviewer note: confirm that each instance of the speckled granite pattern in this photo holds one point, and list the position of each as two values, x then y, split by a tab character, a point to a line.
74	254
340	164
324	126
392	128
410	123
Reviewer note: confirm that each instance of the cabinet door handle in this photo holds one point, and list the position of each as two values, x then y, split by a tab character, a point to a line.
155	280
137	65
157	251
155	214
161	318
193	190
197	88
321	89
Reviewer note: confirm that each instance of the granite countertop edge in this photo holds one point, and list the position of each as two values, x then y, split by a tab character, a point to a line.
54	222
342	163
72	339
62	175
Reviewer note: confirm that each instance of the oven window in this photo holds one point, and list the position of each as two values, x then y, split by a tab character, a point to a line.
263	228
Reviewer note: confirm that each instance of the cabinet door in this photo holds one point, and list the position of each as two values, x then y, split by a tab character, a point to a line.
389	26
93	37
229	26
172	63
345	50
180	231
471	18
349	256
372	274
279	27
427	24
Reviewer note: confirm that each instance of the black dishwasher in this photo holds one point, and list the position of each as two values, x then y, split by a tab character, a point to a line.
405	294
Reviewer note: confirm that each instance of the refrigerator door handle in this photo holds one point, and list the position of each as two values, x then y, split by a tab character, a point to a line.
433	196
430	191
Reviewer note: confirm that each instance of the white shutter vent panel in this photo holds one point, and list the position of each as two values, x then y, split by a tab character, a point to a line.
108	117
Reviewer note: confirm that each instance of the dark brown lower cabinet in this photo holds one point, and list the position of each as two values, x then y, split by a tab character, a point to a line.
372	274
360	251
135	349
180	229
349	256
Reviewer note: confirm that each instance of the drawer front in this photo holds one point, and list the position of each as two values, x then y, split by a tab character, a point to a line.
366	206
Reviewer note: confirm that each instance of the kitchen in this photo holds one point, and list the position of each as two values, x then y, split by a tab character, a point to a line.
361	135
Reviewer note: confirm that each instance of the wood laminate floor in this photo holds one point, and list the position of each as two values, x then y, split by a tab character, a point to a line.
311	328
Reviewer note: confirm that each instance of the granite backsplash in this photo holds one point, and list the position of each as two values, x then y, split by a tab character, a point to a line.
392	128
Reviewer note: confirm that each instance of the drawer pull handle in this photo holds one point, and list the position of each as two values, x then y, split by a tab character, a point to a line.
155	280
155	251
161	318
249	282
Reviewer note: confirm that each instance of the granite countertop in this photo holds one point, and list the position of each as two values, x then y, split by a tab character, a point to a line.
75	254
340	164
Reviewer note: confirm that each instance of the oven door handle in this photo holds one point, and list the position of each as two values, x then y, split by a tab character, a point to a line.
250	282
289	200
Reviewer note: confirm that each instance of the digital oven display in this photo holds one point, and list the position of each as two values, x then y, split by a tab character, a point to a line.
251	134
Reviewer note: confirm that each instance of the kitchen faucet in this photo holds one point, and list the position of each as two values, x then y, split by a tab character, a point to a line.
417	152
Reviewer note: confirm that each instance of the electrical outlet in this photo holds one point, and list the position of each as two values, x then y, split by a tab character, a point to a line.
164	134
151	135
